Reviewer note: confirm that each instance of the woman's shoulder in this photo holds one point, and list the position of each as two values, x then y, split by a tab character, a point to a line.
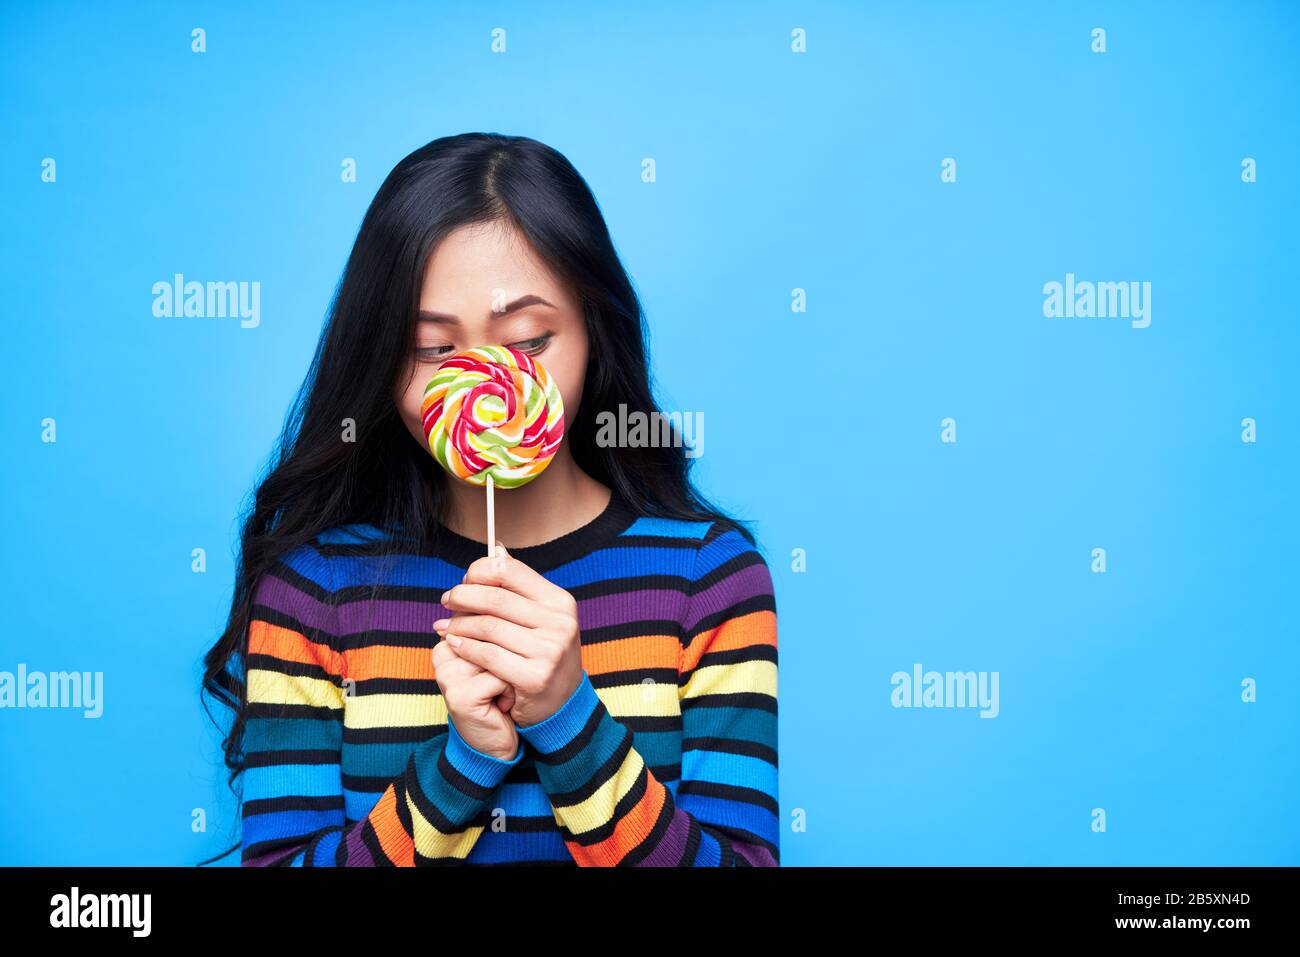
317	559
725	539
729	575
707	539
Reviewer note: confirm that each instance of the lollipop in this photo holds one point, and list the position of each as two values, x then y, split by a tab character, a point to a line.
493	417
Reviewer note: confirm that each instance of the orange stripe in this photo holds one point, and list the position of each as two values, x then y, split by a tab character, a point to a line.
286	644
393	839
389	661
602	658
626	654
745	631
630	830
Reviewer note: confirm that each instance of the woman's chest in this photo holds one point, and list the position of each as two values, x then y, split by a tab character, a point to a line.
630	645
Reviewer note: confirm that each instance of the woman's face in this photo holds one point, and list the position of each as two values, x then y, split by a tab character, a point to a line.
484	285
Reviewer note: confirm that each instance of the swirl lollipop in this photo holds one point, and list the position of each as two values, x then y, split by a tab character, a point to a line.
493	416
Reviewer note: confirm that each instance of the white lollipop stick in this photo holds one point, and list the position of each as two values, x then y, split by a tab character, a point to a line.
492	521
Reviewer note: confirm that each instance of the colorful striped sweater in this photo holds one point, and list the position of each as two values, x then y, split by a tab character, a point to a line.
665	755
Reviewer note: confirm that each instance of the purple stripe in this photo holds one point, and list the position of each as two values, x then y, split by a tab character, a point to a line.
278	594
358	853
606	611
419	616
758	856
669	849
408	616
626	607
746	583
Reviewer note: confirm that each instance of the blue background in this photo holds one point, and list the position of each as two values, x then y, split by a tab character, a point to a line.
775	171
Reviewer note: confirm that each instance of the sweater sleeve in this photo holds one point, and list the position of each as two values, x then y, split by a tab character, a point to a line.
293	801
610	807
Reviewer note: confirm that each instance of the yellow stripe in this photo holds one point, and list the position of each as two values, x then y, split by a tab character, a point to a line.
272	687
656	699
751	676
594	812
432	842
396	710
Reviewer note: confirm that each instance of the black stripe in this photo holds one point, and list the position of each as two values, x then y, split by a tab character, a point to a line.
662	822
598	778
589	838
292	802
738	699
371	839
292	669
760	602
281	619
724	843
634	677
403	809
628	584
750	749
361	640
731	656
277	710
287	574
715	529
730	792
427	808
726	569
314	843
393	734
267	759
636	628
692	849
411	686
580	739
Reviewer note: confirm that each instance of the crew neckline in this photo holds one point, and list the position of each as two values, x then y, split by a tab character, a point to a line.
614	519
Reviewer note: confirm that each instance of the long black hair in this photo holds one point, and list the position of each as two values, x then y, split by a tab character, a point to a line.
315	482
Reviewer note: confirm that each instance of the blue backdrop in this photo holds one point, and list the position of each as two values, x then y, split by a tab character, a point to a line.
803	226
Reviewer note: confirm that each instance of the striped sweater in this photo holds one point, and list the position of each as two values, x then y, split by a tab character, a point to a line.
665	755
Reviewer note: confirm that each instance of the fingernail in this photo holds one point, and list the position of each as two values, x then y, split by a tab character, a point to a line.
455	641
445	595
441	623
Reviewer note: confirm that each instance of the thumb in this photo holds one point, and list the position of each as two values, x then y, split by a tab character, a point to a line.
501	550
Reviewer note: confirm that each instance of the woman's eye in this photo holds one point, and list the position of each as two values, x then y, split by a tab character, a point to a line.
532	345
435	353
439	353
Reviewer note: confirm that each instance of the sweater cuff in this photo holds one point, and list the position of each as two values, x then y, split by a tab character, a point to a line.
484	769
553	733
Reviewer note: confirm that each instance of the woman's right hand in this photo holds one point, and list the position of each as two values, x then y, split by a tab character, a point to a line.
472	694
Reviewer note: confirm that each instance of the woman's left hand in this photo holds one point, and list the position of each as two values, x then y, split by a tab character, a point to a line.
524	629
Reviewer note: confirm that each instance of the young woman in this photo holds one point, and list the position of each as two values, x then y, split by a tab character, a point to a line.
602	694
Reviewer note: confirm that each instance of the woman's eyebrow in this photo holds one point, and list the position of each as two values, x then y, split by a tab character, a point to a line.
522	302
